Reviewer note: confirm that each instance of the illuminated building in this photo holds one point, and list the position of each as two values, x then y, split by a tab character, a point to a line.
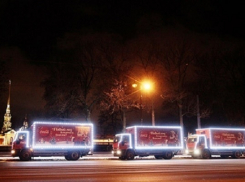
7	117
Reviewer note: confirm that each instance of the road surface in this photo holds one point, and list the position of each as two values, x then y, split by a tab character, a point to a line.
112	170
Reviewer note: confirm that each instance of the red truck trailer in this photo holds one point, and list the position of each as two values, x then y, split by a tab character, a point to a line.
160	141
216	141
71	140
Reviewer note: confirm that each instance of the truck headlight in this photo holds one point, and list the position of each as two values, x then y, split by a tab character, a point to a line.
119	152
12	151
197	152
187	151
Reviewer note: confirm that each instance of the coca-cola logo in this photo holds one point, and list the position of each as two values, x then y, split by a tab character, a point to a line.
44	131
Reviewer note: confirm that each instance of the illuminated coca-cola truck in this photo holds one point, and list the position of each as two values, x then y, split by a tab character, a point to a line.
159	141
225	142
71	140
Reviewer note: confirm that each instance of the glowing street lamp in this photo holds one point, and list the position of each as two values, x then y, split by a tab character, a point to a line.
145	86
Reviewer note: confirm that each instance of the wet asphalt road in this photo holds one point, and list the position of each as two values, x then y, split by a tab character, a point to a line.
104	167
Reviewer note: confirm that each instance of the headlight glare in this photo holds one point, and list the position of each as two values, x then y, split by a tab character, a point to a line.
197	152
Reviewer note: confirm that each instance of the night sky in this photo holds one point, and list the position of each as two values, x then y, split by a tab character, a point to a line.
30	29
35	26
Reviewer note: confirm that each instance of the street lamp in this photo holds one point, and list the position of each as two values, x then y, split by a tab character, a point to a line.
135	85
145	86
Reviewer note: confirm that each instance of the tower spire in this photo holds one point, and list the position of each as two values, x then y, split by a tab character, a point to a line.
7	117
8	103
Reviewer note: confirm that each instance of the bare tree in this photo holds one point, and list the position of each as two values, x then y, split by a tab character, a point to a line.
116	66
118	100
79	76
176	57
143	51
60	90
234	77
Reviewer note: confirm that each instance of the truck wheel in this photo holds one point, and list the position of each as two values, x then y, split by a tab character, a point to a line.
158	157
74	155
130	155
236	155
206	154
25	155
168	155
67	157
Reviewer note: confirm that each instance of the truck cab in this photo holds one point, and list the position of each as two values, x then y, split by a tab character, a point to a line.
21	145
122	146
197	146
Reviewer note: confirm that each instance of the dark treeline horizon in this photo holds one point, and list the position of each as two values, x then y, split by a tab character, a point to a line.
88	68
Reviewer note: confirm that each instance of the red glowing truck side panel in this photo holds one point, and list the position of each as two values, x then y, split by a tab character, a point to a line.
156	137
60	135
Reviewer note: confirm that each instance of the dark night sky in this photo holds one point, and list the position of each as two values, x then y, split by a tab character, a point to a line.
35	26
29	30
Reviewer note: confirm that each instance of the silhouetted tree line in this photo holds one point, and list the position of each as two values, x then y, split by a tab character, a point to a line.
95	72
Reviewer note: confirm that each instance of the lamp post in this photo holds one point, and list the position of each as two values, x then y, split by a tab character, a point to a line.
198	114
135	85
152	113
141	109
146	86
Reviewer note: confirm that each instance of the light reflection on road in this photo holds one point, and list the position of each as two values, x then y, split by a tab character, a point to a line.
136	170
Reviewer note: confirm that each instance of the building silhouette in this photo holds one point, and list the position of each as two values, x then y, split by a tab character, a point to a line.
7	117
